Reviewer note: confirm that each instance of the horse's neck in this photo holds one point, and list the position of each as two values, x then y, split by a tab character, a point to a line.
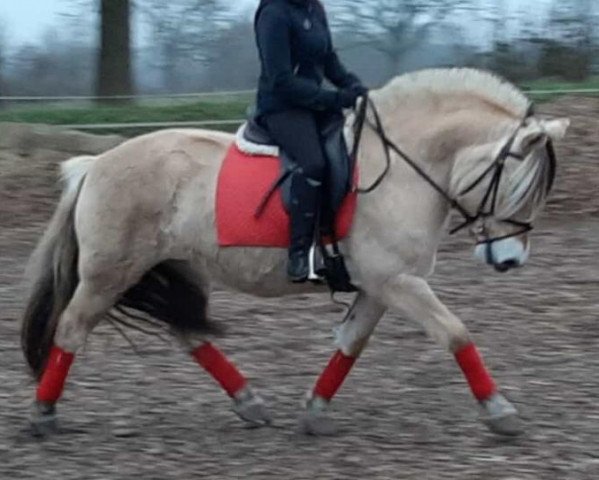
421	136
431	138
432	135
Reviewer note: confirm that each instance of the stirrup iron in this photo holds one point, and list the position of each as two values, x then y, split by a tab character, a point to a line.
316	265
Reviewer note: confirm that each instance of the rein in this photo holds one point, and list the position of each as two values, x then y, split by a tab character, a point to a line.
487	207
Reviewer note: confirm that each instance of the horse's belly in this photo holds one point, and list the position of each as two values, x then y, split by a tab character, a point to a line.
257	271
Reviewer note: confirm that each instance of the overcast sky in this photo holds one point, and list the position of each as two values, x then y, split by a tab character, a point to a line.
27	20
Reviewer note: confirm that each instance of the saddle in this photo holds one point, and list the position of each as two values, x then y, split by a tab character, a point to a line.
253	139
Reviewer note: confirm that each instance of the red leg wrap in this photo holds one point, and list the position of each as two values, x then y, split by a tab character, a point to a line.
333	375
57	368
471	363
221	369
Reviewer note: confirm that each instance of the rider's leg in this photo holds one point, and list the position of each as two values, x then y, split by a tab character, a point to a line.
328	121
296	132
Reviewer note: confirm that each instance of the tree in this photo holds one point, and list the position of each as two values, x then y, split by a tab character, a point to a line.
53	67
2	61
570	49
114	62
183	31
237	66
392	27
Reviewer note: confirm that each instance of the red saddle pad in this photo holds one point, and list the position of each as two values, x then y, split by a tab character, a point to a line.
243	182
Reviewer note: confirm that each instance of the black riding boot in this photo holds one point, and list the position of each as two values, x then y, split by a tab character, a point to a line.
305	195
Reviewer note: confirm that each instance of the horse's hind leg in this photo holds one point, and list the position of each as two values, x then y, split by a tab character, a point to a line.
85	309
247	404
413	297
352	337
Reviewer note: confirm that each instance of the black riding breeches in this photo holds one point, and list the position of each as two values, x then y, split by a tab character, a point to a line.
297	133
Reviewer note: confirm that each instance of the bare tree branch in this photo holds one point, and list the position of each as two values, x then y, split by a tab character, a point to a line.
183	31
2	58
391	27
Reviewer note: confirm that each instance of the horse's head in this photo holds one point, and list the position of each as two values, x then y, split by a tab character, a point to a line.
503	185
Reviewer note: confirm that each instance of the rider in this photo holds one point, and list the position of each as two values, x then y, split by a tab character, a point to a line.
296	55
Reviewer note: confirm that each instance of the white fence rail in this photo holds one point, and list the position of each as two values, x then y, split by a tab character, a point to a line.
156	96
568	91
203	95
231	93
122	126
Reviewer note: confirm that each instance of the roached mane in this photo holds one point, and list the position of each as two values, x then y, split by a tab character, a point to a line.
459	80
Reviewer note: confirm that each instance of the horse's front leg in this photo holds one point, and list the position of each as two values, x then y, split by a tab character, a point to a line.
413	297
352	337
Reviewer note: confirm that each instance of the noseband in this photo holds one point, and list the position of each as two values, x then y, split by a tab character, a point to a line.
487	207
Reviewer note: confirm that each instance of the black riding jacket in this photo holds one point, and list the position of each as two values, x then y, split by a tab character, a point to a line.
296	55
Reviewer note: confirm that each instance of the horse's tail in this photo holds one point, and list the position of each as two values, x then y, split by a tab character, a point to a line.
52	270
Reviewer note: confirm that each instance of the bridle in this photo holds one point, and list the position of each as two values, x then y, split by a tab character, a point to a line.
488	205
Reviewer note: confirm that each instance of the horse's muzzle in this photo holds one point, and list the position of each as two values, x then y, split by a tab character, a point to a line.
506	266
503	255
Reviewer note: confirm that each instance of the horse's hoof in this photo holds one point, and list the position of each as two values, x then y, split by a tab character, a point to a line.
318	424
508	425
251	408
43	421
501	417
315	421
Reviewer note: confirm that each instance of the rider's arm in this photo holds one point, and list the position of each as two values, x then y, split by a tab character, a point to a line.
336	72
273	37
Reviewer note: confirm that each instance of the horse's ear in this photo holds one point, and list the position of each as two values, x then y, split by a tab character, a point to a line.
538	133
556	129
532	139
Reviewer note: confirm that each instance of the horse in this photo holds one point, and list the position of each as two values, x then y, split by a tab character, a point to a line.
134	237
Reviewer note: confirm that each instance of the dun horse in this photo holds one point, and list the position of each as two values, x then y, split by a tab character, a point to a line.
134	236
